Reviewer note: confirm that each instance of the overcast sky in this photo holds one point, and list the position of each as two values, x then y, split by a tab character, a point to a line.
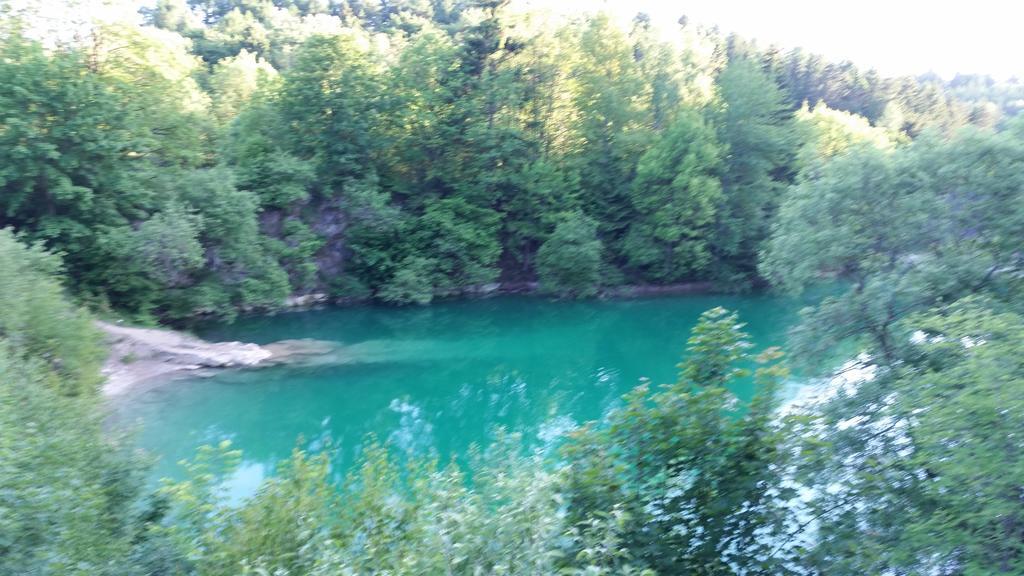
894	36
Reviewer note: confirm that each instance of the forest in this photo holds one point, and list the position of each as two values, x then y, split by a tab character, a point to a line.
223	156
214	157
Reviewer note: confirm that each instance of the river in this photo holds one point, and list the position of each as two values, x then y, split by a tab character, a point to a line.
436	378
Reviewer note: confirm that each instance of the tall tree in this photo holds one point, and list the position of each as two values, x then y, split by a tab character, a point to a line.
756	128
675	196
569	261
612	128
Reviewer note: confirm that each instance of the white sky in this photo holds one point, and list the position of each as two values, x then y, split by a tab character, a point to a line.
894	36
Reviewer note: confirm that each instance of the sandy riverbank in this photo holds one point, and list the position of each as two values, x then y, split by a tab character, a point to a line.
145	355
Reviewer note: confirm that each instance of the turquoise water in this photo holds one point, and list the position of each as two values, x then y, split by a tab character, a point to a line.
438	378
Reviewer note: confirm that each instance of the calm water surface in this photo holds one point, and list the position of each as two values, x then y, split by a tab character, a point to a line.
437	378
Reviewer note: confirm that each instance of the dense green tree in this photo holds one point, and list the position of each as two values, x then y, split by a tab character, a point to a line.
826	133
69	503
164	111
860	218
902	229
569	261
174	15
100	173
238	263
703	56
903	104
66	149
657	64
202	253
69	491
413	281
993	100
911	231
235	80
421	95
350	122
37	321
453	246
755	126
166	247
921	463
328	107
462	239
263	164
609	92
543	191
675	196
696	475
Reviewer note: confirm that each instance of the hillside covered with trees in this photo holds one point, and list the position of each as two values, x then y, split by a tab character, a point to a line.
224	155
207	157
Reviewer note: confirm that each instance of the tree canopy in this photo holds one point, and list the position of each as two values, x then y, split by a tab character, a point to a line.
287	148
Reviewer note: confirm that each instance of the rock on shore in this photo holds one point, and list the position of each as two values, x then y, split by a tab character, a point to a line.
141	354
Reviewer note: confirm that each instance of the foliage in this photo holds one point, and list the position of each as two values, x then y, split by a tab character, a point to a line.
675	196
110	177
67	501
462	239
907	463
262	164
413	282
167	246
907	229
38	322
235	81
360	137
569	261
328	104
69	491
694	475
830	132
943	420
755	126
